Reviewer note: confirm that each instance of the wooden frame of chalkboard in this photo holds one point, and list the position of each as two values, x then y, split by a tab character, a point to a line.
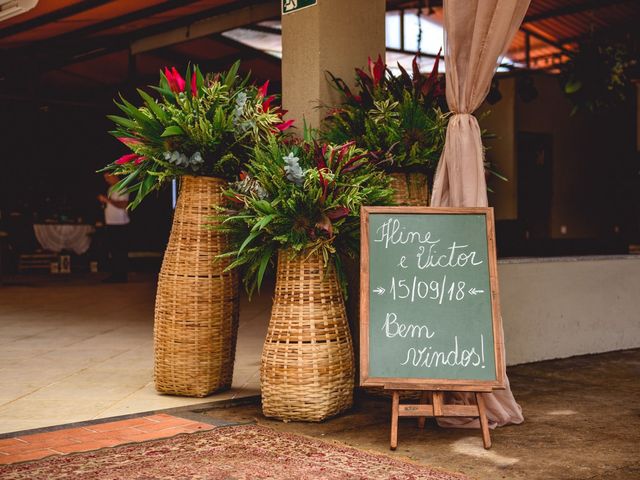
434	384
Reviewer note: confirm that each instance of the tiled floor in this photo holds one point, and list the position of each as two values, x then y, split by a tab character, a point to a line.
93	437
75	349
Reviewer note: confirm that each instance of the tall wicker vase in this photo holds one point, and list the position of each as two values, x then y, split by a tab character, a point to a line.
196	313
307	370
410	188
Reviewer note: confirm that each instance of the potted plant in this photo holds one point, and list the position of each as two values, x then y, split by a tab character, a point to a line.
599	75
200	129
298	205
398	115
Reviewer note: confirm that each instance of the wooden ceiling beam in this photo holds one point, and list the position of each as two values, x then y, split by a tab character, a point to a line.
54	16
205	27
546	39
82	77
245	49
628	26
179	60
573	9
54	58
94	28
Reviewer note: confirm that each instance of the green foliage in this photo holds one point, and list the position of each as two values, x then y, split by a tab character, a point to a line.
302	196
204	125
399	116
599	75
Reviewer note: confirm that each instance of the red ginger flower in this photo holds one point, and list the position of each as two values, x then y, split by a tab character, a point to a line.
267	103
262	91
363	76
284	125
377	70
432	86
194	85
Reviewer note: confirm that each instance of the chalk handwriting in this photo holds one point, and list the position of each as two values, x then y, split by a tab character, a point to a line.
391	233
392	328
455	257
426	357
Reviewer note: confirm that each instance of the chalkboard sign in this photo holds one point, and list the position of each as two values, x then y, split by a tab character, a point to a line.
429	298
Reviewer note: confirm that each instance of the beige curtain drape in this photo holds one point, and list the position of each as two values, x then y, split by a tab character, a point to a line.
477	33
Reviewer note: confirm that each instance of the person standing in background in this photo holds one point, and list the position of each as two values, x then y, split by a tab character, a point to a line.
116	220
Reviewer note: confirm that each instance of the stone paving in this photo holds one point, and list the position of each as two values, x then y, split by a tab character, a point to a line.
73	349
582	422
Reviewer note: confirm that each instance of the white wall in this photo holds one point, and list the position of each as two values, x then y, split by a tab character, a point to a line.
557	308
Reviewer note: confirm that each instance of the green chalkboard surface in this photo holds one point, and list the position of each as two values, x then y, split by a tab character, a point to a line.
429	306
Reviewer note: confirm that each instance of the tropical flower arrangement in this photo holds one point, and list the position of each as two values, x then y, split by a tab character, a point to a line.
302	196
400	116
203	125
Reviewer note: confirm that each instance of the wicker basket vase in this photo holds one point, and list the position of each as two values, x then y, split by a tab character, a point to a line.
196	313
307	370
410	189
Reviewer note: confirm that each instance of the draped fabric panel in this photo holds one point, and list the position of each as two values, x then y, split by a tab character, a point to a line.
477	33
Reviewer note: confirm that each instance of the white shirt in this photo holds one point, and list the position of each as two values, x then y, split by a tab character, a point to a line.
114	215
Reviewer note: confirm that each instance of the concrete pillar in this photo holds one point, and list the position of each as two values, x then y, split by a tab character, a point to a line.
335	36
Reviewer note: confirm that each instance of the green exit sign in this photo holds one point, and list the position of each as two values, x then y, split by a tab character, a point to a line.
289	6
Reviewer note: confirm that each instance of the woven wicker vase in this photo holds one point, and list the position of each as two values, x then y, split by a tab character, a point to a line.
307	368
410	189
196	313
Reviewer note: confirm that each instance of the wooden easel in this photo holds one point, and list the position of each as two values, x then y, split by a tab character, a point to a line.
437	408
432	389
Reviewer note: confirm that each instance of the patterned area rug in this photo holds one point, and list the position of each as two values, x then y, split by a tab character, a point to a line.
239	452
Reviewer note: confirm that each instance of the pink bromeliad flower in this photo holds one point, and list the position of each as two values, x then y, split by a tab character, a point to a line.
126	158
130	157
175	80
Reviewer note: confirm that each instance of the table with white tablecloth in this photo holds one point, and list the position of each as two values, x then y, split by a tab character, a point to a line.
58	237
